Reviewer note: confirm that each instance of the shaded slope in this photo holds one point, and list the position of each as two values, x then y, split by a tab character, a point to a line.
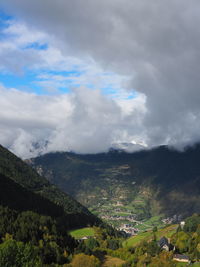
16	197
23	189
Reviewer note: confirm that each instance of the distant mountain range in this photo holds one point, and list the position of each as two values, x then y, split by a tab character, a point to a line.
153	182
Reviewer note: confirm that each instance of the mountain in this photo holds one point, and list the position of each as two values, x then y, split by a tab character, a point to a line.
35	219
143	184
22	188
33	227
128	147
16	197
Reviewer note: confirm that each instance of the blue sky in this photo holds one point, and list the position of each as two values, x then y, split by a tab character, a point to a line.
38	75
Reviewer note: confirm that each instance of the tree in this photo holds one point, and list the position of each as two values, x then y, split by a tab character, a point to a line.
82	260
92	243
191	223
163	259
113	244
155	229
181	241
18	254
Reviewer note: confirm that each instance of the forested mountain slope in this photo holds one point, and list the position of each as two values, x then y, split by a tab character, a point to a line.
36	218
21	188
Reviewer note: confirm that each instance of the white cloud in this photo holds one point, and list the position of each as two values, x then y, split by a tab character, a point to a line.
83	121
18	56
154	43
21	35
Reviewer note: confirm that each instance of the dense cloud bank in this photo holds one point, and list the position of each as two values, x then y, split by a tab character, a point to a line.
155	43
83	121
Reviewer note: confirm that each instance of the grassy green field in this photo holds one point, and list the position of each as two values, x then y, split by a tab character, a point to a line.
145	236
150	223
181	264
80	233
154	221
167	231
135	240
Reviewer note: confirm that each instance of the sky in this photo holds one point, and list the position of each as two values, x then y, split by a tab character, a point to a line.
84	76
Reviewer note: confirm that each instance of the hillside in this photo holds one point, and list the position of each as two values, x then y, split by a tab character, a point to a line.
21	188
34	230
36	219
16	197
135	186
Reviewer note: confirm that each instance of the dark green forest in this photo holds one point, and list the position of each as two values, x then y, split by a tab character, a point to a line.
31	191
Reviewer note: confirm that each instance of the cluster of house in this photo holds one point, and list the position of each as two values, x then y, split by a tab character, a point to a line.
174	219
164	244
130	218
128	229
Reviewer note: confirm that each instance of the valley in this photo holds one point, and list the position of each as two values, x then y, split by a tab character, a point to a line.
143	189
114	197
40	225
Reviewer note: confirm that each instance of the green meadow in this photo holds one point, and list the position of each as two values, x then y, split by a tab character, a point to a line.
145	236
80	233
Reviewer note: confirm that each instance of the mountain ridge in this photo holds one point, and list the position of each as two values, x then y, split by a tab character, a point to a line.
168	181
